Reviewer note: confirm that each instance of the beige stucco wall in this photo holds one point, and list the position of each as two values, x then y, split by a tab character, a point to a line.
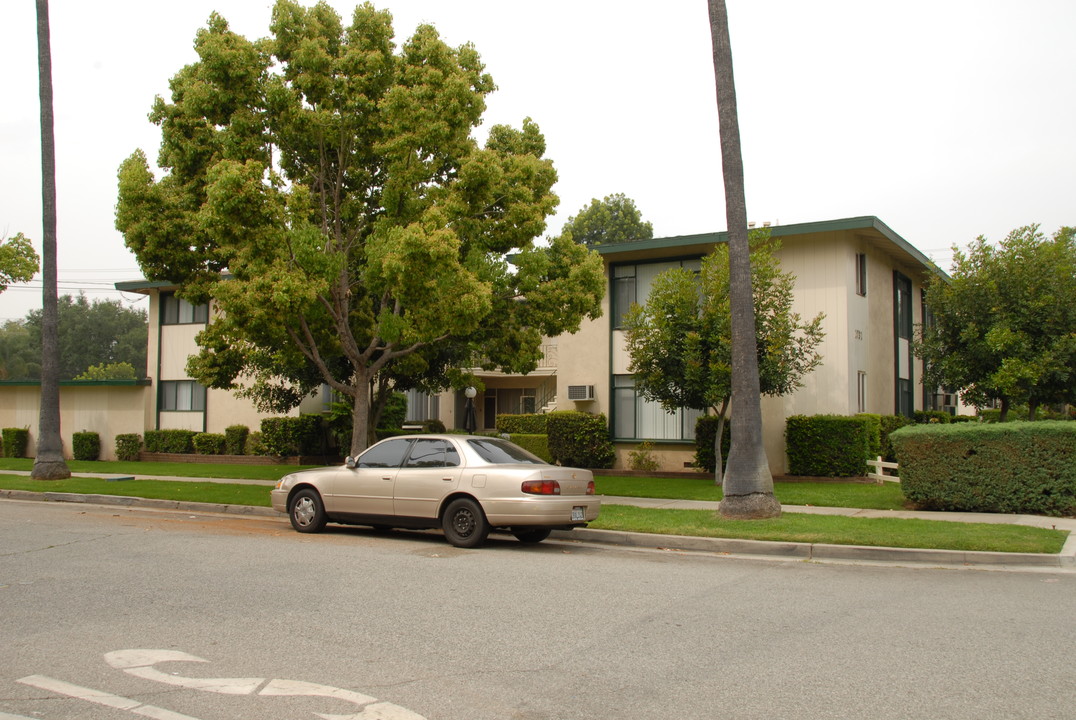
108	410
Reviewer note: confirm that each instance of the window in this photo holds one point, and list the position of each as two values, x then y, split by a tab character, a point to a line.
177	311
861	274
389	454
636	418
433	454
623	292
182	395
902	334
631	283
499	452
861	392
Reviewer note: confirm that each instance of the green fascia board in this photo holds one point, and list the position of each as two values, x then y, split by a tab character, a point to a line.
865	222
80	383
143	286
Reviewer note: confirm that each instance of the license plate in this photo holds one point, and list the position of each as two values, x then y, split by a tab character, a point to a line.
579	513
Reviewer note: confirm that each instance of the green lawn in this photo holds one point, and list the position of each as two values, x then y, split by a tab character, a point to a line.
177	469
836	530
208	492
886	496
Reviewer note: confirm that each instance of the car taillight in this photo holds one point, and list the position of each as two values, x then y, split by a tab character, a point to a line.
590	488
541	487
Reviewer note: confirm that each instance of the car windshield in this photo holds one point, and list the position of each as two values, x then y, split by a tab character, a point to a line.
501	452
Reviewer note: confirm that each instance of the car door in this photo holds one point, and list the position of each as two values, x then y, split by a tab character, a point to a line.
431	471
366	489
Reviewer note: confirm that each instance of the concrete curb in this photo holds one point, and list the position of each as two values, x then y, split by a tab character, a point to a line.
1065	560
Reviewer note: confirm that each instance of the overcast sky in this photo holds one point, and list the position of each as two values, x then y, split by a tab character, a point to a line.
948	119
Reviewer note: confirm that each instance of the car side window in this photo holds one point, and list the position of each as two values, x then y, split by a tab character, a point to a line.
388	454
433	453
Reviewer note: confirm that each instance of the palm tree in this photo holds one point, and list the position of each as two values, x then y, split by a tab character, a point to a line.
748	485
49	461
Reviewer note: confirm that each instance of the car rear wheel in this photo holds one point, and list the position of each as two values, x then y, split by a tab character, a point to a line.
465	524
307	512
534	535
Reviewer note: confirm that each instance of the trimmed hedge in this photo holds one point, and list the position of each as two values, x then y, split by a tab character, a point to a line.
828	445
1016	467
209	443
128	445
235	439
170	441
535	443
85	446
580	439
15	441
533	424
286	436
705	430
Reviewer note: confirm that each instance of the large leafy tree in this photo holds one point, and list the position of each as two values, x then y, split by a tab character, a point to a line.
680	342
1003	327
101	332
18	261
613	219
327	192
49	463
748	484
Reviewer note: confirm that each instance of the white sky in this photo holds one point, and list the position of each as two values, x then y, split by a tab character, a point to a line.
948	119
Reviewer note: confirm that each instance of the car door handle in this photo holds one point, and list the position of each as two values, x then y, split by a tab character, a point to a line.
387	477
448	479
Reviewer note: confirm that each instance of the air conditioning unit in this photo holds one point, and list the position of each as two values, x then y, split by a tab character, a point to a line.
580	392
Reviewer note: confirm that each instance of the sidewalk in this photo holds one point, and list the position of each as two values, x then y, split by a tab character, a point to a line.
818	552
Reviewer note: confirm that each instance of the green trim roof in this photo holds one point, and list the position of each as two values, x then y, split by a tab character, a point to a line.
80	383
865	222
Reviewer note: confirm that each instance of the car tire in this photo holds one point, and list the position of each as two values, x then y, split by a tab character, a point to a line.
307	512
465	524
532	535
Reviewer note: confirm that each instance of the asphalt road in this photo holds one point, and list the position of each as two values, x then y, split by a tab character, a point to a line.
237	617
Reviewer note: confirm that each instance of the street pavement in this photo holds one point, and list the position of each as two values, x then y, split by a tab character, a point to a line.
814	552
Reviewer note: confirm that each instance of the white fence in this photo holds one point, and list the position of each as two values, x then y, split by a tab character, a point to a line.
881	470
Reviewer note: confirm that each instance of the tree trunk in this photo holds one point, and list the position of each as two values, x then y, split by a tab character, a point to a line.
719	461
1004	410
49	461
360	414
748	485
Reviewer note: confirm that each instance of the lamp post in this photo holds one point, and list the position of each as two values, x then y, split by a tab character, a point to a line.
470	419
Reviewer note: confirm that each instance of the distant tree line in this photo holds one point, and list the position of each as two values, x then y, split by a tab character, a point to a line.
97	338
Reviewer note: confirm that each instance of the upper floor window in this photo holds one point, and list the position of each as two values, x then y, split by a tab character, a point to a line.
177	311
861	274
632	283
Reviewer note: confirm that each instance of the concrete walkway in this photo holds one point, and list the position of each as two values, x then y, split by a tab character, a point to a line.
1064	561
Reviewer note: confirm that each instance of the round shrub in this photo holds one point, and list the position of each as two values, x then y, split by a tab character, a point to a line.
85	446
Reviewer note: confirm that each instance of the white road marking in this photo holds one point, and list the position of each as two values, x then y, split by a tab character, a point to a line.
101	698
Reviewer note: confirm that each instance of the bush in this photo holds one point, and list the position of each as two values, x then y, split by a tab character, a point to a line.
433	425
235	439
642	458
286	436
170	441
1016	467
85	446
705	430
209	443
535	443
15	441
828	445
932	417
580	439
890	424
254	444
534	423
394	413
128	445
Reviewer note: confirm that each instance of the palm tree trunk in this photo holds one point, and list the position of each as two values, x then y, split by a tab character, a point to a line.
748	485
49	461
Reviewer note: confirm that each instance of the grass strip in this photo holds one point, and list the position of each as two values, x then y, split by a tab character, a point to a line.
868	496
175	469
206	492
836	530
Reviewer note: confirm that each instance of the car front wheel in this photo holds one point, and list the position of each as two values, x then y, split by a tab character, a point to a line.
465	524
307	512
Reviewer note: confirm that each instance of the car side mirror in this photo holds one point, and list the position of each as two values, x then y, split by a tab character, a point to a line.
349	463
